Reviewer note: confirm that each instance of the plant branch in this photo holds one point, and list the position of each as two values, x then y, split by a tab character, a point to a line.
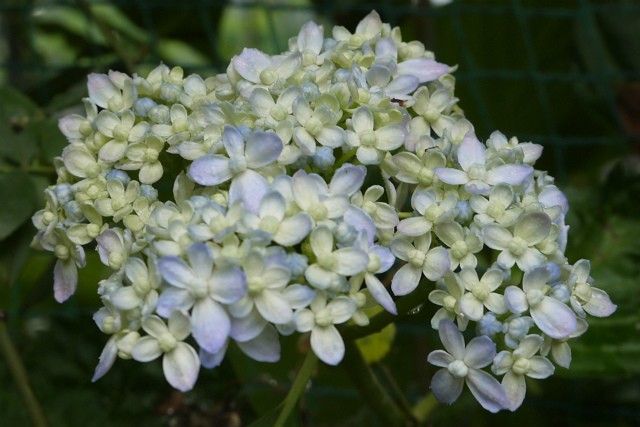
297	388
33	169
20	375
370	388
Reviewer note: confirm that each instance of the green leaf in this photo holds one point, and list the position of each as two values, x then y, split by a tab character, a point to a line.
178	52
611	346
270	29
375	347
19	201
50	139
71	20
17	115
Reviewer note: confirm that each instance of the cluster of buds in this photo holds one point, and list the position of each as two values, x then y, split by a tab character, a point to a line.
291	193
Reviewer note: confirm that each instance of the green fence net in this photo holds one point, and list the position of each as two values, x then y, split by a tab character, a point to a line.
565	74
558	73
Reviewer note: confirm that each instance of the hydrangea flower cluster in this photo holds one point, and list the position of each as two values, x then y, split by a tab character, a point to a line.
293	191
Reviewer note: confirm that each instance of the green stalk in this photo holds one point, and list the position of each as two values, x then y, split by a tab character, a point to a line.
370	388
297	388
20	375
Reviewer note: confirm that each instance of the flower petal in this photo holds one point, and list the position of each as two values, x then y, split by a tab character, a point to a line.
445	387
350	261
263	348
436	263
554	318
347	180
181	367
106	359
452	176
414	226
247	327
210	170
496	237
540	368
212	360
487	390
262	148
293	230
471	307
380	293
405	280
273	306
515	388
327	344
200	260
228	285
362	120
249	188
479	352
425	69
65	280
471	152
274	205
516	299
451	339
172	299
175	271
599	304
440	358
509	174
250	63
211	324
533	227
146	349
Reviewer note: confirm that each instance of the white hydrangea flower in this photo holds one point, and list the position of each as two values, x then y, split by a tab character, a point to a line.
463	244
332	264
585	299
320	319
448	298
518	247
372	143
272	220
180	361
421	260
497	208
433	207
550	315
266	281
114	91
205	289
517	364
481	293
476	175
268	230
463	364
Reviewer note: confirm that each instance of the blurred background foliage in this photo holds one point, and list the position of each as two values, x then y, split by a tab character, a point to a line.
563	74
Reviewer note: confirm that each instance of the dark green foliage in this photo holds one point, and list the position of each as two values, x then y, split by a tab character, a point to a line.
564	74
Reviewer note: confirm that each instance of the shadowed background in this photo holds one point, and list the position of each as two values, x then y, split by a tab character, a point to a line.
562	74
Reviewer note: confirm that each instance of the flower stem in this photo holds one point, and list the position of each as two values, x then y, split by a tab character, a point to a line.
297	388
20	375
370	388
33	169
